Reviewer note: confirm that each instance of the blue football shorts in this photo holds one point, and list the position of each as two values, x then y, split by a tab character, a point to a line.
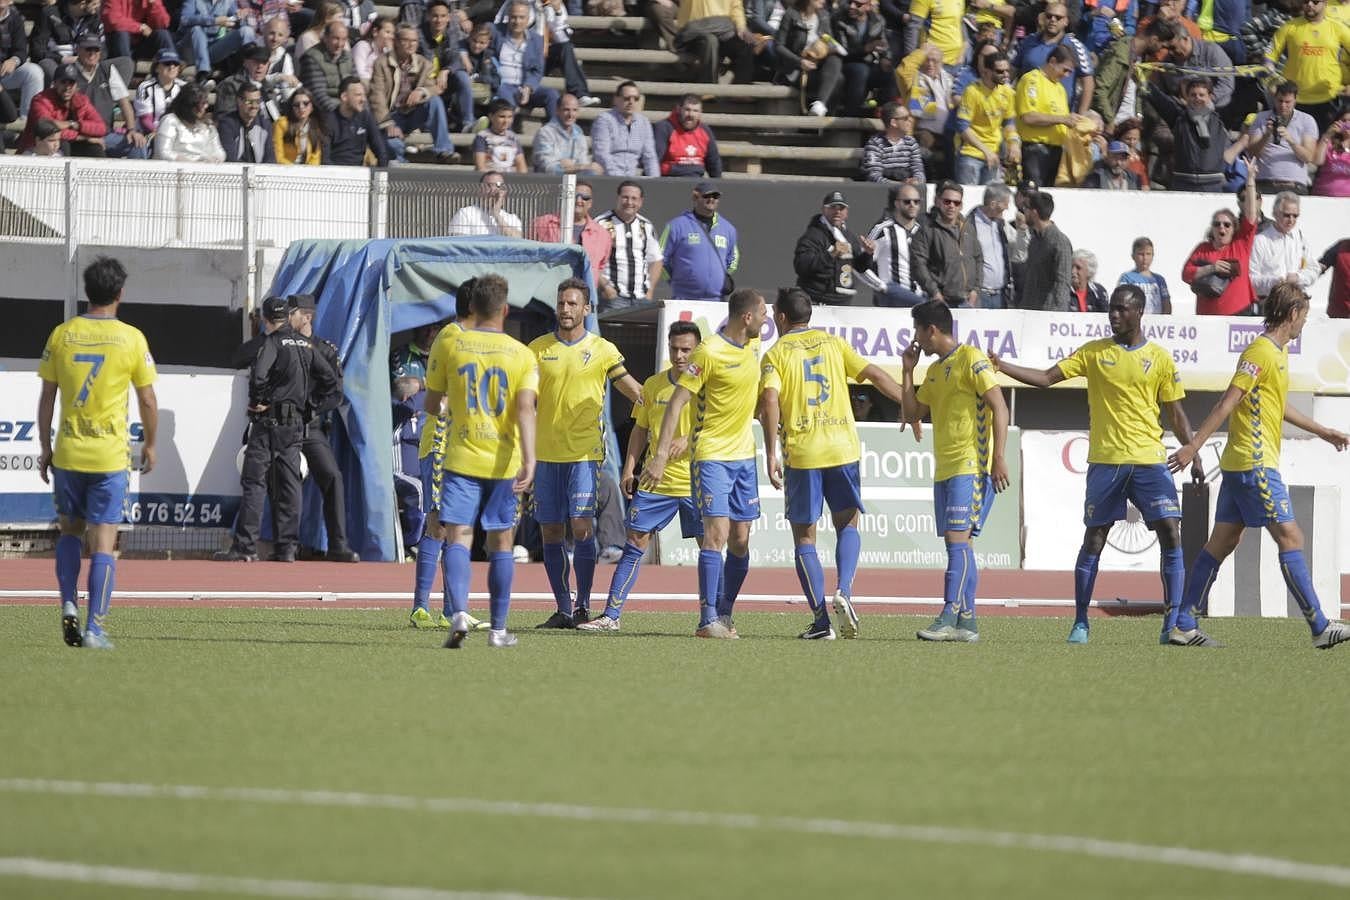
1256	498
963	503
727	489
98	498
1149	487
489	502
564	491
807	490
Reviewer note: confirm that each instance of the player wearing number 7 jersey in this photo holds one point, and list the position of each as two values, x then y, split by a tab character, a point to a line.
489	381
804	402
91	360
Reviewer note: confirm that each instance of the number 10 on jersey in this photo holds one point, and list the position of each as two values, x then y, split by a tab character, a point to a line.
486	394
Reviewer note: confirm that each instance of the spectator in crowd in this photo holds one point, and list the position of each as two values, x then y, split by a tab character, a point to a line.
1173	12
1200	149
699	249
636	261
82	129
187	133
46	139
1157	298
299	137
475	74
1020	243
939	23
1047	281
986	123
281	79
16	72
622	138
403	99
762	18
894	238
593	237
459	64
496	148
1103	21
685	147
325	66
804	45
1115	92
868	69
708	31
548	19
252	71
489	215
894	156
1185	51
359	16
1075	71
1284	139
353	134
1130	132
945	256
1088	294
1337	259
58	29
246	134
1043	117
1223	22
520	62
865	409
995	260
1219	268
378	43
104	82
1313	48
1258	33
1110	172
1279	252
8	111
156	93
930	102
211	29
1332	158
136	28
560	145
326	12
829	257
442	36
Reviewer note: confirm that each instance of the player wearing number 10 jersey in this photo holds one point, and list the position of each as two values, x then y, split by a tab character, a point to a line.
90	360
489	381
805	403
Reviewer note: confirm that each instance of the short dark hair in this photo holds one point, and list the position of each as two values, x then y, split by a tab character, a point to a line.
628	182
329	26
743	301
683	326
933	313
348	82
498	105
890	109
949	185
248	87
1282	302
626	84
1286	89
45	128
1061	54
1140	243
688	99
1195	80
489	296
1131	294
1043	203
103	281
431	3
575	284
794	304
464	298
1161	31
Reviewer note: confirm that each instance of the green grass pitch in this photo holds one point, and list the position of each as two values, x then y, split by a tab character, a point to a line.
1232	751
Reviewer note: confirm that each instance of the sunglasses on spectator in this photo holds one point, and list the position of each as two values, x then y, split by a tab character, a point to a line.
910	201
712	195
946	201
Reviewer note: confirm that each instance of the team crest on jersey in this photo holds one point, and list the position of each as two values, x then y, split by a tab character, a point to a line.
1249	368
585	357
1146	365
693	238
947	372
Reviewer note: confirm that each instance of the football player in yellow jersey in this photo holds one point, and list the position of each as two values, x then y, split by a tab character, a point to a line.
1252	494
575	367
970	431
1129	379
652	510
432	547
1313	46
489	381
723	377
804	401
90	361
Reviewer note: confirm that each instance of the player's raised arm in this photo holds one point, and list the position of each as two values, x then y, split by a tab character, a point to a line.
1217	416
46	411
148	404
1333	437
1041	378
911	410
889	387
998	465
655	469
525	425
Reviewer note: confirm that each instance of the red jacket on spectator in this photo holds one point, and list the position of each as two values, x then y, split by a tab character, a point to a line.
1337	259
686	154
127	15
48	105
1239	296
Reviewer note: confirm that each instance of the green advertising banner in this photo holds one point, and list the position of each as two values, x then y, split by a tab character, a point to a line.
898	529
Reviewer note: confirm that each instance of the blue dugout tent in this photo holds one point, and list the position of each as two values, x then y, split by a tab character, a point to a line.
369	290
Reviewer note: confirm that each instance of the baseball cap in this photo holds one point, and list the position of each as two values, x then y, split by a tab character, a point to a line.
301	301
168	56
257	53
1028	187
274	308
1117	147
68	72
834	198
707	189
89	40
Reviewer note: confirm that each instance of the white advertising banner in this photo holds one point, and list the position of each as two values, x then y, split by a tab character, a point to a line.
195	481
1206	348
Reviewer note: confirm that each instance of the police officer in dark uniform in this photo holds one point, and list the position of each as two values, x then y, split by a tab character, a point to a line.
315	445
286	374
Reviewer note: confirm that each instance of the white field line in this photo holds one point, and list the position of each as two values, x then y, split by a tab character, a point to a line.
188	883
1074	845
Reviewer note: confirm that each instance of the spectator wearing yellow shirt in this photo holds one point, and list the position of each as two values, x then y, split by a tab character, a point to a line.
986	125
938	22
1043	116
1312	46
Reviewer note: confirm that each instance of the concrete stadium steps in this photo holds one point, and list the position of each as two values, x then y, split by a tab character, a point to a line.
626	62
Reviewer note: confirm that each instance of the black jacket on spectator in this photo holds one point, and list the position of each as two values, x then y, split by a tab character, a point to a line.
856	37
1047	282
818	273
323	75
351	137
1198	146
791	38
13	38
56	30
946	259
238	142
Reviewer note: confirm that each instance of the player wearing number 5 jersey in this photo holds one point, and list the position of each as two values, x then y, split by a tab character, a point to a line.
489	381
91	360
804	402
1128	380
575	367
970	431
1252	494
723	379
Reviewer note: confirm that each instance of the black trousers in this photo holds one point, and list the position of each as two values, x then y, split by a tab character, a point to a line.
324	469
271	468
